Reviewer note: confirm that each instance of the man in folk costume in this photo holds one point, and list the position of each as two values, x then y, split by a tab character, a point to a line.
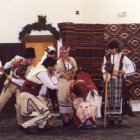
87	104
49	52
20	69
117	94
40	75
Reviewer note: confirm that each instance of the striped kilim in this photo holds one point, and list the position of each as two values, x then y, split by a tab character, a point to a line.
88	44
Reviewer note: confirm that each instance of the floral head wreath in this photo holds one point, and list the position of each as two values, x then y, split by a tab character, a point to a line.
62	48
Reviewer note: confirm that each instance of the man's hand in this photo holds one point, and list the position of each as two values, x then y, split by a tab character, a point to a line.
2	69
46	99
44	95
56	91
9	78
121	71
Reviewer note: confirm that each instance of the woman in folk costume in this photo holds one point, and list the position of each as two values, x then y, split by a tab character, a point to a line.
117	94
87	104
66	68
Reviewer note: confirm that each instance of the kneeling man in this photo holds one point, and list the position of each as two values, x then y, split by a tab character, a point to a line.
41	74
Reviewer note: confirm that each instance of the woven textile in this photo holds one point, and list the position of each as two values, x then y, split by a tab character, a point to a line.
128	37
88	43
87	46
114	94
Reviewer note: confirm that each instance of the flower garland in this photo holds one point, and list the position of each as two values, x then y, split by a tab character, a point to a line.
40	25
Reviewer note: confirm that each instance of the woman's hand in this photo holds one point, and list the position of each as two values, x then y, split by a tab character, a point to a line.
65	76
80	81
68	77
90	87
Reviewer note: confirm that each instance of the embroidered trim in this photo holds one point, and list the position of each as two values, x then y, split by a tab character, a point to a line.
63	66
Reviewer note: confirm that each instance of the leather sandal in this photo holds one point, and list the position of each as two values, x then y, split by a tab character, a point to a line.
111	122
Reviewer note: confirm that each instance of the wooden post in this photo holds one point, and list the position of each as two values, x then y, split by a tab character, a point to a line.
105	99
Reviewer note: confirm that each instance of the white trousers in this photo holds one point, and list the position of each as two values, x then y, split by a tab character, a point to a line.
27	100
6	95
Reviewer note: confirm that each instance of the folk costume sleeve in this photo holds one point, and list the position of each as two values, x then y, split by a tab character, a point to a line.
19	82
103	65
10	63
74	63
58	68
14	63
49	81
130	67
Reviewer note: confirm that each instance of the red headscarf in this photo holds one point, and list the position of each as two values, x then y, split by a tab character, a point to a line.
62	48
88	81
80	89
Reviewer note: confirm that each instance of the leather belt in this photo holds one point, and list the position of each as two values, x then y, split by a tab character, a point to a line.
31	86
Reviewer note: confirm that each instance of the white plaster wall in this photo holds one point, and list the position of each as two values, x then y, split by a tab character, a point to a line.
106	11
15	14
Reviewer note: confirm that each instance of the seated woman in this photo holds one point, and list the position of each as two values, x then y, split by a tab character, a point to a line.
87	103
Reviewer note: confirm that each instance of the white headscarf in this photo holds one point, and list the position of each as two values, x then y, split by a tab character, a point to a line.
48	49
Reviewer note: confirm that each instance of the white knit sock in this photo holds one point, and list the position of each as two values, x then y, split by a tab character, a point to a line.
41	126
24	126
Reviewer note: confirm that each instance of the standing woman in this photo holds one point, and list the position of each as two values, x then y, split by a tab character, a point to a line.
117	94
66	68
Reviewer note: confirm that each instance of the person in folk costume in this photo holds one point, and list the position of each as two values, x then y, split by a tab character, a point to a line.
87	103
66	69
49	52
20	69
117	94
38	76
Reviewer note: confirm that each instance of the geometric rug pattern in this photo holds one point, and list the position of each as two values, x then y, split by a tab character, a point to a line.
128	37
